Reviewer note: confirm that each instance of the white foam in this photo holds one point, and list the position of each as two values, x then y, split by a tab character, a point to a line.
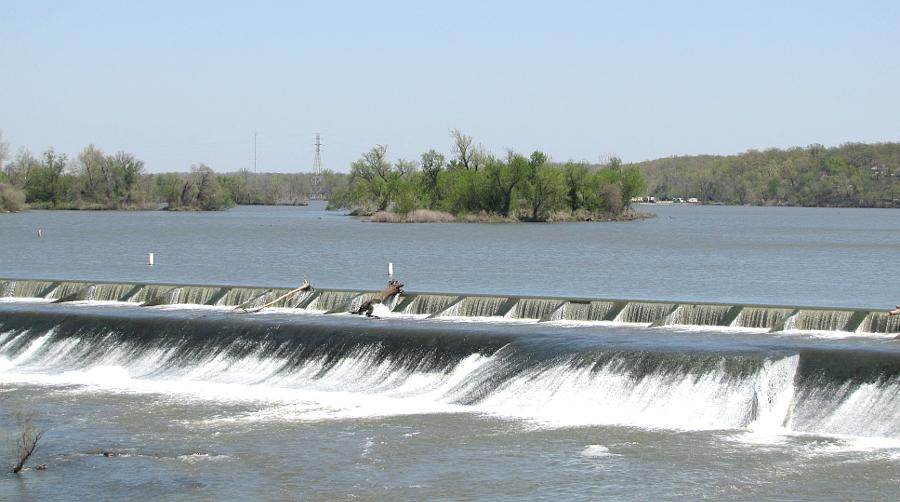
202	457
835	335
484	320
819	444
774	393
582	324
21	299
102	303
691	328
359	385
566	395
596	451
363	383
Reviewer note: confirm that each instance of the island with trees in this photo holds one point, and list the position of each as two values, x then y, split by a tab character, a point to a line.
474	185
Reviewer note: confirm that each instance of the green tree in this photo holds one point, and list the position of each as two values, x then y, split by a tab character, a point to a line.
576	179
546	192
46	183
432	166
208	194
504	178
633	184
169	187
93	184
373	181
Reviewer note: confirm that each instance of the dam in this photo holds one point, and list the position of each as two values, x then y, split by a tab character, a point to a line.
413	305
302	380
713	352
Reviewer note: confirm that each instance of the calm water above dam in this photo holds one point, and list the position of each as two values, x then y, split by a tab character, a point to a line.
201	403
794	256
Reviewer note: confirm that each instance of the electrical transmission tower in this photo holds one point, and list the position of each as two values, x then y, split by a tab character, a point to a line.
317	168
254	151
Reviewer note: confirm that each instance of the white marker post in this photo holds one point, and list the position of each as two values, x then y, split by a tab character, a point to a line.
150	260
390	271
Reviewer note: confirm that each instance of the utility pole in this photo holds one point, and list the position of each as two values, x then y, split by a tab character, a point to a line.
317	168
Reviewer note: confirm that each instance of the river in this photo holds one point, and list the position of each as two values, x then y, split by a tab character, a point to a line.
202	403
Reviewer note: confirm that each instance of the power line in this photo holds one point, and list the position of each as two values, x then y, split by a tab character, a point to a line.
317	167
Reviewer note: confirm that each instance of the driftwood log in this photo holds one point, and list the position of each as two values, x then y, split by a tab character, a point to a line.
394	287
896	311
306	286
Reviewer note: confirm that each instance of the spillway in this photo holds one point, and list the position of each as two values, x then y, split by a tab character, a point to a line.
775	318
534	372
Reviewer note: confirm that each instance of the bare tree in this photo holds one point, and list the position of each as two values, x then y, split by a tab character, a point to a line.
26	441
467	154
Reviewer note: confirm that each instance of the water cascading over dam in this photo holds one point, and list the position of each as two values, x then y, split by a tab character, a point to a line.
516	371
443	305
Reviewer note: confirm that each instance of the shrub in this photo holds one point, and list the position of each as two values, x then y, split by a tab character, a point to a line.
11	200
429	216
386	217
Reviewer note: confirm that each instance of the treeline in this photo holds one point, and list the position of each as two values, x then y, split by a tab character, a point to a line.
95	180
850	175
245	187
475	183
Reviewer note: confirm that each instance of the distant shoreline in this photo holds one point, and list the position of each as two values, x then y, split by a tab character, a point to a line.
427	216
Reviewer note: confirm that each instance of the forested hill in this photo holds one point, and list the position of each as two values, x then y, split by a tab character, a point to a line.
850	175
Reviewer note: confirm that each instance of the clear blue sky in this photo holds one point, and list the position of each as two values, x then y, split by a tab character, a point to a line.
179	83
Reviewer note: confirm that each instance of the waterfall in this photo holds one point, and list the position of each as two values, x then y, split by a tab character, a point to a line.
200	295
429	304
776	318
819	320
584	311
535	308
147	292
478	306
26	289
849	408
880	322
67	290
240	296
374	369
644	312
110	292
295	300
699	315
185	295
760	317
774	394
337	301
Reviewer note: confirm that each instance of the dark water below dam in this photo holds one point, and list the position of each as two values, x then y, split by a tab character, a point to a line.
712	352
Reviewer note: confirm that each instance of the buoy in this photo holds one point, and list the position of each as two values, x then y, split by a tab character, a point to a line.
40	232
390	270
150	260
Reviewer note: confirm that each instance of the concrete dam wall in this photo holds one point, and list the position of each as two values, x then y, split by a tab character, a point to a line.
449	305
